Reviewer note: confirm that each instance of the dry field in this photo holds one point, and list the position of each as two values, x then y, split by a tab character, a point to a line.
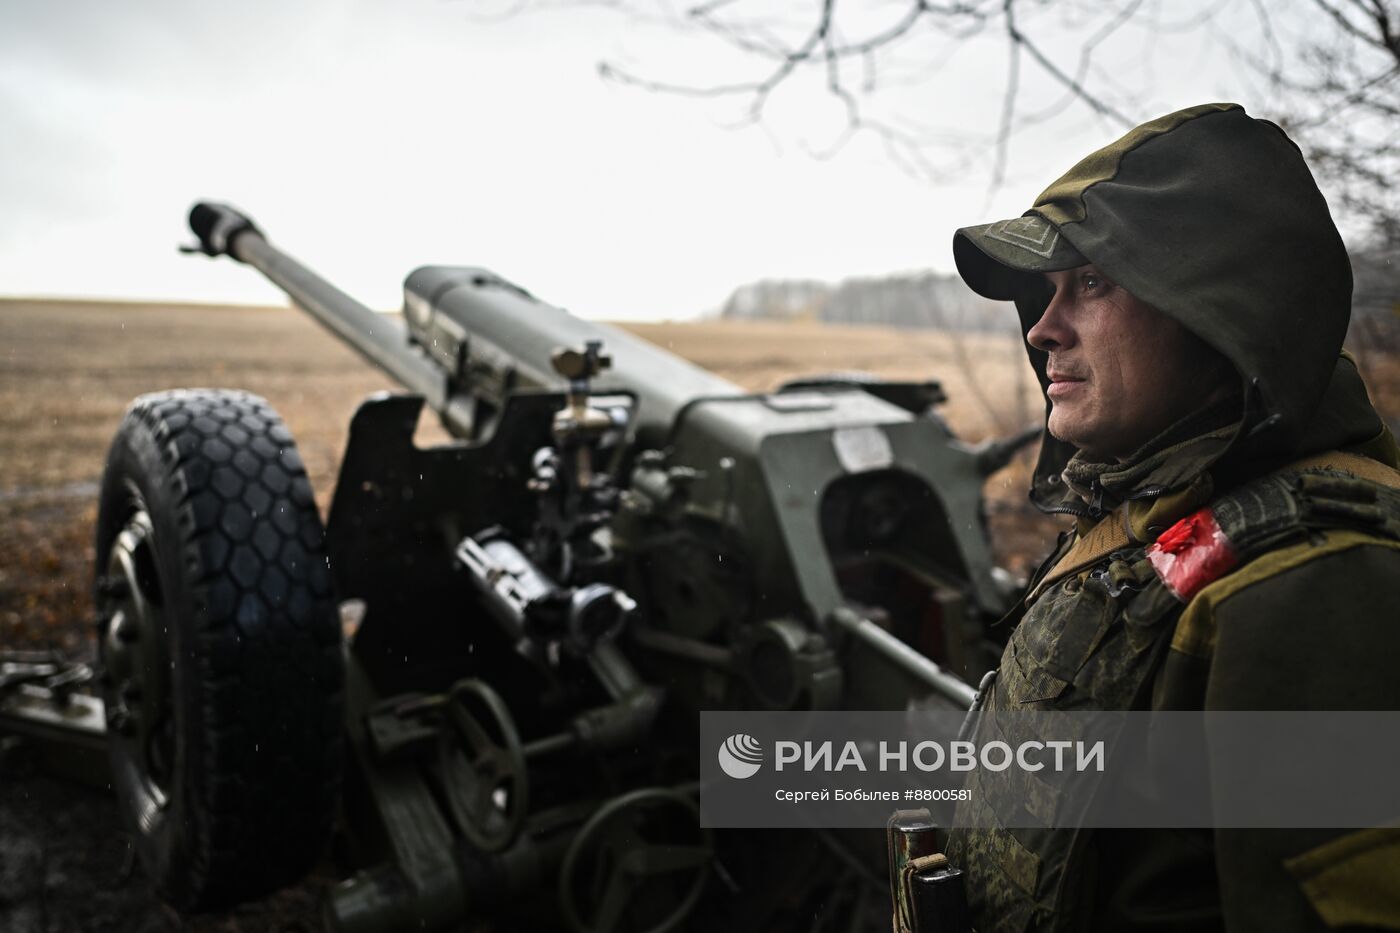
68	370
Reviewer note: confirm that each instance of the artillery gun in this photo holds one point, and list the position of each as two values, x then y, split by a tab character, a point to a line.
615	541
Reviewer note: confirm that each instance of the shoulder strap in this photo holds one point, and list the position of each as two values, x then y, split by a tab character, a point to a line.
1331	491
1355	464
1251	518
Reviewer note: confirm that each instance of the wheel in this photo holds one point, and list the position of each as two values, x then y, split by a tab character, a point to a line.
220	643
640	863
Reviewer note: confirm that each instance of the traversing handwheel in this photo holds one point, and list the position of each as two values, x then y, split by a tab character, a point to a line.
483	766
639	864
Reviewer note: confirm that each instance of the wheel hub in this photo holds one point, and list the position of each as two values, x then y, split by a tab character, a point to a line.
135	655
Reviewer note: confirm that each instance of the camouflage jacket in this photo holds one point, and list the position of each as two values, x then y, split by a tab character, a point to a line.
1304	623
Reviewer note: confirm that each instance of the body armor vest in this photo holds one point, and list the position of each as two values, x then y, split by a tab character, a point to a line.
1093	640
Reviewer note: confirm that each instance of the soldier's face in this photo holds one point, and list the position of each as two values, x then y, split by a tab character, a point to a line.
1120	371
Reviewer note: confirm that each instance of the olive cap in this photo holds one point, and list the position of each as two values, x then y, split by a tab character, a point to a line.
994	258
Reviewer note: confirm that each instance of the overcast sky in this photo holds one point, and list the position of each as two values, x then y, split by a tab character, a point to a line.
367	138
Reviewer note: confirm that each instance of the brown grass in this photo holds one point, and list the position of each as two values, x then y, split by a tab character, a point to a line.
70	369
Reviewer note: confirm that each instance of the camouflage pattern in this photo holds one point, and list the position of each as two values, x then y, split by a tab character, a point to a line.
1079	648
1095	640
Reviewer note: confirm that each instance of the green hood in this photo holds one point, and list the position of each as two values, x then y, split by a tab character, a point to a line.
1213	218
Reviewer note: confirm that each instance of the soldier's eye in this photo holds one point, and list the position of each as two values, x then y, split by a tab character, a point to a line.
1091	281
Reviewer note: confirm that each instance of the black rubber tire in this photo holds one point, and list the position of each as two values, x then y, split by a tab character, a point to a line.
252	631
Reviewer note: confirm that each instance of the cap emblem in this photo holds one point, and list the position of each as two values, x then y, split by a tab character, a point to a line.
1032	233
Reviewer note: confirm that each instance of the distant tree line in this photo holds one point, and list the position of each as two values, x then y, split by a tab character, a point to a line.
911	299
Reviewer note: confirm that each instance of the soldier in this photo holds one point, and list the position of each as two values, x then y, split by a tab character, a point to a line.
1184	294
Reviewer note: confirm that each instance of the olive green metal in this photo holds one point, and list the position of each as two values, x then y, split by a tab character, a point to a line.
493	336
379	338
474	332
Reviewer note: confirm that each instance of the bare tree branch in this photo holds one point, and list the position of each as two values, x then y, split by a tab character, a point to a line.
894	33
1266	26
1008	101
1352	29
1332	66
1079	90
1086	56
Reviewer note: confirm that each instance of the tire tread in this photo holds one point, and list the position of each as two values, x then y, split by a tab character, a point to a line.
264	645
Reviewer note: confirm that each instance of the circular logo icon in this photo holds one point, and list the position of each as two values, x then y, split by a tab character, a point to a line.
740	756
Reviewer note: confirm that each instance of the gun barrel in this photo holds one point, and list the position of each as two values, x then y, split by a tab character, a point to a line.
467	331
379	338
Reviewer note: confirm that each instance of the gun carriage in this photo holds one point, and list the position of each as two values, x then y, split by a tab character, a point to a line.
615	541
